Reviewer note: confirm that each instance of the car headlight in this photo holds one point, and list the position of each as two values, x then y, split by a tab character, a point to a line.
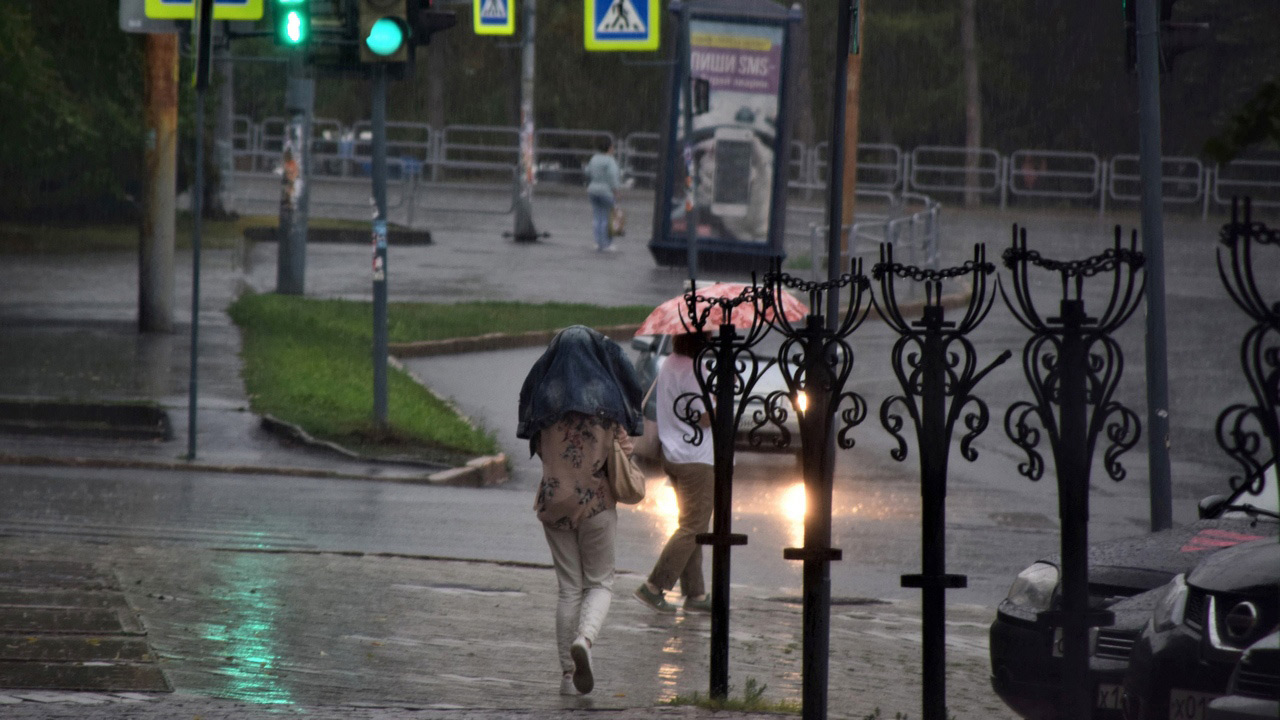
1169	610
1033	588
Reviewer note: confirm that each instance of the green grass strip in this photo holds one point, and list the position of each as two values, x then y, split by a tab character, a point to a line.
54	238
751	700
308	361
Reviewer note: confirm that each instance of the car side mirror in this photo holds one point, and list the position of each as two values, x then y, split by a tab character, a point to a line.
644	343
1212	506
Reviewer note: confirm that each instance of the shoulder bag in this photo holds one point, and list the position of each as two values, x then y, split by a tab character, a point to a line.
625	478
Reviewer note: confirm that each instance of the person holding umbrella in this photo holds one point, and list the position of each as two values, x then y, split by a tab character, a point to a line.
579	398
691	467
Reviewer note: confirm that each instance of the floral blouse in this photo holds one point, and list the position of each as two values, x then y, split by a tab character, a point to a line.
574	482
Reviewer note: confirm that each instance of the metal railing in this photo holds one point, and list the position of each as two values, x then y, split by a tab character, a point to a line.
490	154
639	156
910	226
1054	174
1255	177
1184	180
561	155
940	168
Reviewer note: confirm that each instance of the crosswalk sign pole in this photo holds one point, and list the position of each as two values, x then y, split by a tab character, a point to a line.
524	228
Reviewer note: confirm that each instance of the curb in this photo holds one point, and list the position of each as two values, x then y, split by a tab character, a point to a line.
496	341
118	420
481	471
511	341
396	235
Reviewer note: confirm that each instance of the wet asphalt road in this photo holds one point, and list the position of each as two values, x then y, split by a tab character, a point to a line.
998	521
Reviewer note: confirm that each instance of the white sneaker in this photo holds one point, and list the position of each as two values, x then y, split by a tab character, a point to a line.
583	679
566	684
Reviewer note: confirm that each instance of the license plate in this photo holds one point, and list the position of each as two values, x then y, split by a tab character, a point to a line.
1188	705
1109	697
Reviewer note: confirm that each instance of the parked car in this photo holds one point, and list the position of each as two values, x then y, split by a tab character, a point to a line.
1127	576
768	436
1254	690
1199	631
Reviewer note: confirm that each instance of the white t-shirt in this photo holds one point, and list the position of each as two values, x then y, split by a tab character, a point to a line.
675	379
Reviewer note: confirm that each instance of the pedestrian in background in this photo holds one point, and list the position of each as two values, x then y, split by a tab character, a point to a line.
603	180
692	472
577	400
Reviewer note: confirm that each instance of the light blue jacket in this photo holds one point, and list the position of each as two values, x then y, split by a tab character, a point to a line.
603	176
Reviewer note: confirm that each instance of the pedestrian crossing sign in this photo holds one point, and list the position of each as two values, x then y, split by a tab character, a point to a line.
186	9
494	17
621	24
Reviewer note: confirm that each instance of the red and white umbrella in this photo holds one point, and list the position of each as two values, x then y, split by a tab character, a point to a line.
666	319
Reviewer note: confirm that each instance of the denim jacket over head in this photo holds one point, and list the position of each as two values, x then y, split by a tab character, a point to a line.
580	371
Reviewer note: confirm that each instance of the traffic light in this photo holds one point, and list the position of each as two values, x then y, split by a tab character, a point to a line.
292	22
428	21
384	31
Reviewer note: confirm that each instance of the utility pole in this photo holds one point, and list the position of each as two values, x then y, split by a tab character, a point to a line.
1152	172
203	42
380	245
840	182
524	228
972	99
155	249
852	96
691	220
295	194
223	129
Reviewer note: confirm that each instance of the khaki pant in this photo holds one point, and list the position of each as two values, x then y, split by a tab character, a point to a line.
681	558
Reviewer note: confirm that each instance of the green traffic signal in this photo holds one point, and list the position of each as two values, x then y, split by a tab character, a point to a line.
386	36
292	29
293	22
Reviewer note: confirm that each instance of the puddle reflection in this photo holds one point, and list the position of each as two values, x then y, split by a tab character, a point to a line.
248	638
669	672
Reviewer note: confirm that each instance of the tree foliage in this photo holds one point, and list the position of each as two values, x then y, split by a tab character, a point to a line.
1052	75
70	90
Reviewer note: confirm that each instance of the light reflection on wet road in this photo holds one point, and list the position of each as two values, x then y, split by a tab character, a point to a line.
248	636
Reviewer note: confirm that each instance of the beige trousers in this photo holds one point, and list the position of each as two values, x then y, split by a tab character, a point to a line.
584	571
681	558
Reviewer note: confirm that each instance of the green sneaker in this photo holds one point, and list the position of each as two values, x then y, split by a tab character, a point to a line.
653	600
698	606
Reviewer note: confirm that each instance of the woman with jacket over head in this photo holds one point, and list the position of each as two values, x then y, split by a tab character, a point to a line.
577	399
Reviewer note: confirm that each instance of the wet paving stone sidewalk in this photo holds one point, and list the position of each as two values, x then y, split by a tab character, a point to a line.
349	635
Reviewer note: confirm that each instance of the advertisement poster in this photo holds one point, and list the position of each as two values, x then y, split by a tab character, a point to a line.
733	141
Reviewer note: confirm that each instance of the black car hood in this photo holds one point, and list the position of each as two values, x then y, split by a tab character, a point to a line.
1251	568
1127	566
